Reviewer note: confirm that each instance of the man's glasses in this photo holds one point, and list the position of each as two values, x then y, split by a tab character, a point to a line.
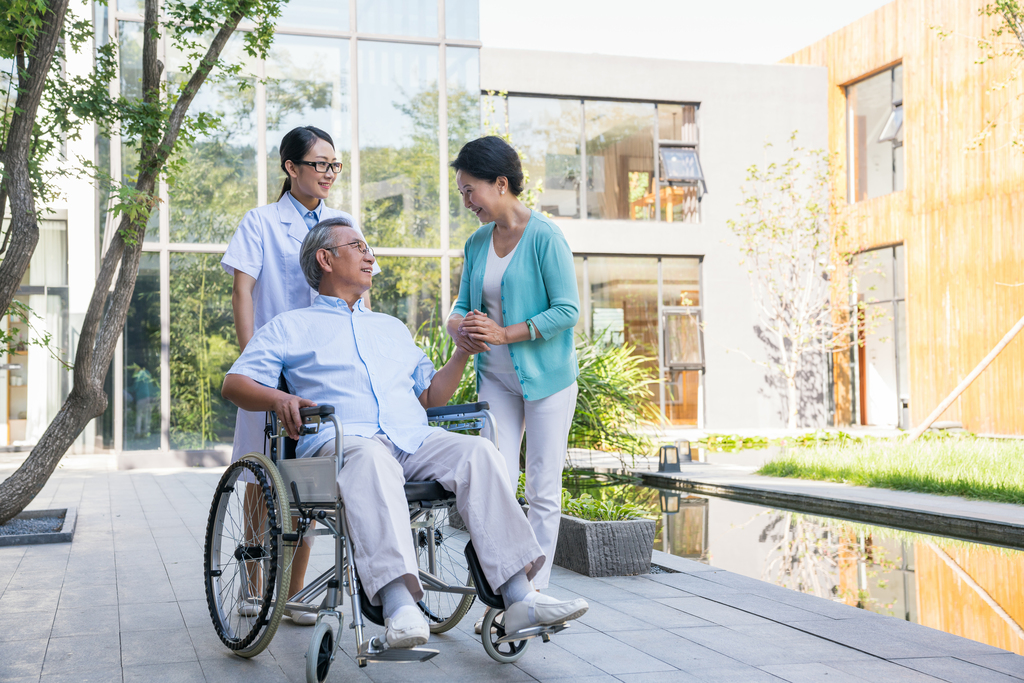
322	166
360	245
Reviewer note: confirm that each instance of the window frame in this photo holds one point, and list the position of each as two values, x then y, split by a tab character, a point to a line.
896	113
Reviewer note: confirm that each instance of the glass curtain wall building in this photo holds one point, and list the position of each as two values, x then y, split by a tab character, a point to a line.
396	84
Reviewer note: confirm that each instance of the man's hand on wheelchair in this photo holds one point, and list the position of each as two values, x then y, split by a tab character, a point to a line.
287	408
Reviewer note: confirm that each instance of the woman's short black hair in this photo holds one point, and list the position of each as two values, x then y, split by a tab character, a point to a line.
490	158
295	144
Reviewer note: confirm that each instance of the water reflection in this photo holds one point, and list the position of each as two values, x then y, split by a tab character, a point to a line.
967	589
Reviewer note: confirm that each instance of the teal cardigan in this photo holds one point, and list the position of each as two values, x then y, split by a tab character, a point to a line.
539	284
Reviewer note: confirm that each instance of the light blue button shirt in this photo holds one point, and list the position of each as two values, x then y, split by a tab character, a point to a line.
365	364
310	218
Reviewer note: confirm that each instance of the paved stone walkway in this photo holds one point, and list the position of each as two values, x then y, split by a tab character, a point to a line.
124	602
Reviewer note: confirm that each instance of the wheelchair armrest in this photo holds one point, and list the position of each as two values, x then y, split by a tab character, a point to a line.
443	411
314	411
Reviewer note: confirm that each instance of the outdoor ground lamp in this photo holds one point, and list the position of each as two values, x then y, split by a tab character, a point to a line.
685	452
668	458
669	502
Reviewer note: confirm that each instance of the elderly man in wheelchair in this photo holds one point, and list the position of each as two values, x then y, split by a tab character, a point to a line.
366	365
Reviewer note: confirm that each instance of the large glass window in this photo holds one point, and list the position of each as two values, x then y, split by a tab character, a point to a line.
620	160
398	17
624	301
407	288
142	360
462	19
463	80
299	96
314	14
398	144
681	178
874	110
546	132
203	347
217	184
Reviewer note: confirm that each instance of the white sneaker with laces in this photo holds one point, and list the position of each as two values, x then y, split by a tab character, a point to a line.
248	607
301	618
406	628
538	609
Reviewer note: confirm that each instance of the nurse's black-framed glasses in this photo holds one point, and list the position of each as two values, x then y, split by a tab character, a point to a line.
321	166
362	246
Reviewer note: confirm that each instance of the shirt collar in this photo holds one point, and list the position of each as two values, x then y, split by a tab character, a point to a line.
336	303
303	210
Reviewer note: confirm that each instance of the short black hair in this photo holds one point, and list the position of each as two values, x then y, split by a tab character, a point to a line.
490	158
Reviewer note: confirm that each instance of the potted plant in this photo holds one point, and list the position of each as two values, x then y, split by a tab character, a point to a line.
602	538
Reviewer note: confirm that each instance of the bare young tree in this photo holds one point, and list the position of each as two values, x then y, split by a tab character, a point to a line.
160	124
799	274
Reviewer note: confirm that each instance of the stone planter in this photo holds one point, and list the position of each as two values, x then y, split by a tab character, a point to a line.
605	548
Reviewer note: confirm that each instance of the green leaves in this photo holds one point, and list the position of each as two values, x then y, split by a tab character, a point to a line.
589	508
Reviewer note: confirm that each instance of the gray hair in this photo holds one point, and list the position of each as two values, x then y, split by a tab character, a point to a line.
319	237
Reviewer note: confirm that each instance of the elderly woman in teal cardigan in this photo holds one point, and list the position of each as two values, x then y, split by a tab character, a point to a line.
517	307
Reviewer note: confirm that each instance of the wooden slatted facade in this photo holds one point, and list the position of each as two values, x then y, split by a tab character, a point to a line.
961	214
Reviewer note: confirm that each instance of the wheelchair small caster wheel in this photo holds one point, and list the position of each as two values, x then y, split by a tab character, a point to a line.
321	652
506	653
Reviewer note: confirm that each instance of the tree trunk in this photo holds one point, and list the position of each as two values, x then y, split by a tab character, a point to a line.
793	404
104	323
23	233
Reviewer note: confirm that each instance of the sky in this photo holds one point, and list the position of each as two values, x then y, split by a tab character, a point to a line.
743	31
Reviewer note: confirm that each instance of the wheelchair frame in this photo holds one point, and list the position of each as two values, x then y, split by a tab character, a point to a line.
307	488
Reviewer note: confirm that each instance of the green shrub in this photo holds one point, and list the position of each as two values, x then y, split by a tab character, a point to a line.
589	508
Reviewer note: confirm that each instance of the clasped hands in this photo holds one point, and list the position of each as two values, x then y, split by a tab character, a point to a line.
476	331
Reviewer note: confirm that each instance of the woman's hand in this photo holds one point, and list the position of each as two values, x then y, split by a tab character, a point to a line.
481	329
461	338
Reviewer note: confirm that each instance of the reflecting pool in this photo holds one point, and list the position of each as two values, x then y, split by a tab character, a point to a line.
968	589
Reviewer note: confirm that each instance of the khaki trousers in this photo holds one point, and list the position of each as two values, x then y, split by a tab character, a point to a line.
371	484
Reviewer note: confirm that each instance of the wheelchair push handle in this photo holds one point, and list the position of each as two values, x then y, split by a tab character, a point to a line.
316	411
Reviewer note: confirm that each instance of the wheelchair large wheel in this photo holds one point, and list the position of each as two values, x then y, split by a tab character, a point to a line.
246	563
321	652
444	610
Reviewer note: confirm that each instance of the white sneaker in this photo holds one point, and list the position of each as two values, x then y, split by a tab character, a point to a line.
542	610
407	628
301	618
248	607
478	627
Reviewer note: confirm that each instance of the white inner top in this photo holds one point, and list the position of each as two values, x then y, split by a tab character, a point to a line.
497	359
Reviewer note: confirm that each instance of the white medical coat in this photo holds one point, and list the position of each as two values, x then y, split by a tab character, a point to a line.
266	246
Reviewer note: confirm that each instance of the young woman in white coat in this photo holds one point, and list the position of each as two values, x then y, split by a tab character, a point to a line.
263	259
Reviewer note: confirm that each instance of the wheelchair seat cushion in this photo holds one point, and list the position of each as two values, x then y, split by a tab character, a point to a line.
426	490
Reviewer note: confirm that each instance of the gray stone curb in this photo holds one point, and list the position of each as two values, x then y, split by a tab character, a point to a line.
66	533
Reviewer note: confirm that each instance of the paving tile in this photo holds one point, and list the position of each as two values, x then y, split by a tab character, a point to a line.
81	654
643	586
747	674
601	617
883	670
947	643
230	667
651	613
810	673
84	622
464	661
152	617
156	647
550	661
136	591
21	658
694	584
660	677
112	675
610	655
593	590
757	649
182	672
344	668
584	679
25	625
87	597
34	600
682	654
955	670
765	607
799	641
1007	662
714	612
861	635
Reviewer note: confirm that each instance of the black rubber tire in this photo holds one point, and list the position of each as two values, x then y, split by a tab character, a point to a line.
231	556
506	653
321	650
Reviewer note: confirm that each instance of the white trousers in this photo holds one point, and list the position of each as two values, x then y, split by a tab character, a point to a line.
371	484
546	423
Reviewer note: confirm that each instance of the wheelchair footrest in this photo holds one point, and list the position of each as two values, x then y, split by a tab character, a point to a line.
533	632
376	650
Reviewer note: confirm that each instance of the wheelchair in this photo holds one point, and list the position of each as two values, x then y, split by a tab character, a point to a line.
250	539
